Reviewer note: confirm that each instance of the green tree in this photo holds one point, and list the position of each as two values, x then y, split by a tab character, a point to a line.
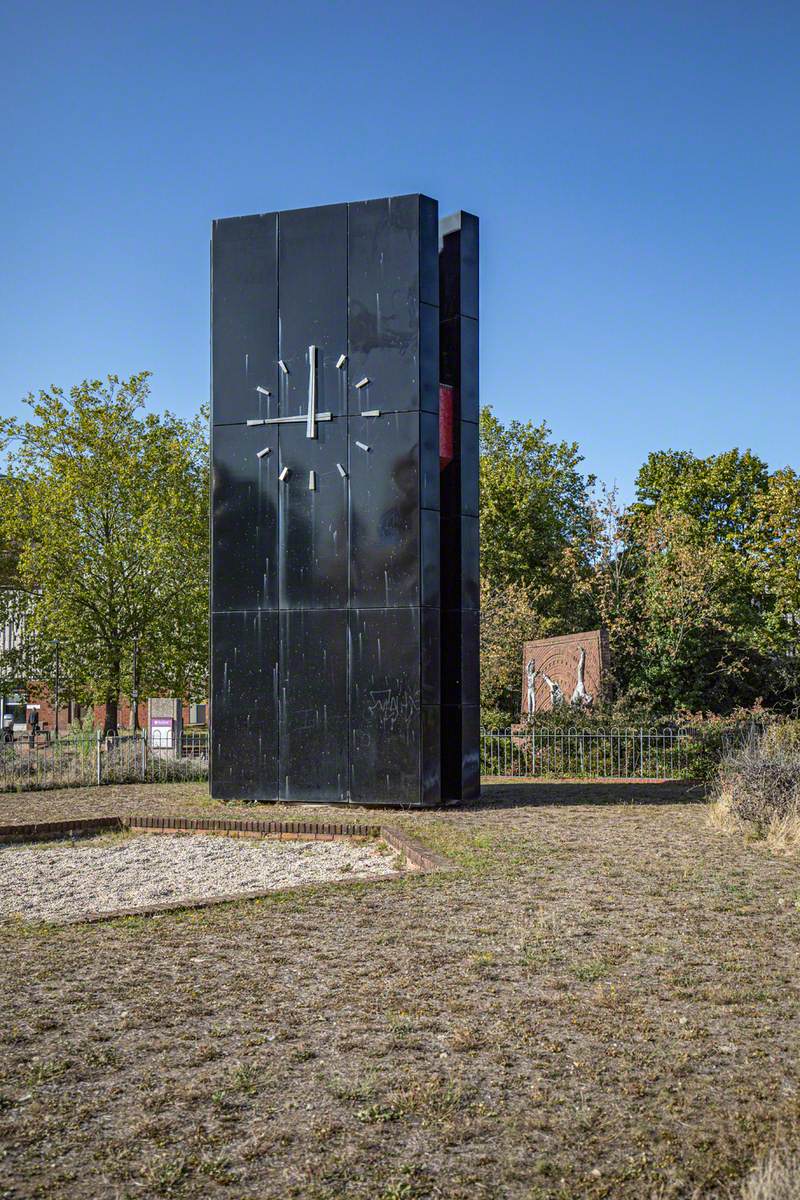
720	492
507	621
776	549
699	517
107	510
618	572
694	652
536	520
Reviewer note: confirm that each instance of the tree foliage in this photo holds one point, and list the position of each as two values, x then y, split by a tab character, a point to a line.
106	507
536	516
697	581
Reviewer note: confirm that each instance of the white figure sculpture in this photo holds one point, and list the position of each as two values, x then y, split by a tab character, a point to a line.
580	697
530	671
556	694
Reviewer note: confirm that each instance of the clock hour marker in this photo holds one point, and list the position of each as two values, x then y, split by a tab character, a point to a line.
283	366
373	412
341	470
284	475
341	360
264	391
361	446
363	382
260	421
263	453
312	481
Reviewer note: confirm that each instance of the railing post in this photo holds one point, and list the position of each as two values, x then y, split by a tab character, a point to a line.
99	752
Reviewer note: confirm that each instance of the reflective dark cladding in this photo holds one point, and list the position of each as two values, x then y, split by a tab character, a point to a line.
328	641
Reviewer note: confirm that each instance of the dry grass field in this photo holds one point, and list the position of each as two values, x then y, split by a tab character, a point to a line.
603	1001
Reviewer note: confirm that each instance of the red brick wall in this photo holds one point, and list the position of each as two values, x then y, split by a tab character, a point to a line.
558	657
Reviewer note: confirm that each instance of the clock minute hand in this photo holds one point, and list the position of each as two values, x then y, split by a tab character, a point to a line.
311	427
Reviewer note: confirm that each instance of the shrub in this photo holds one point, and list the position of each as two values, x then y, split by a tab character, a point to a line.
784	737
758	788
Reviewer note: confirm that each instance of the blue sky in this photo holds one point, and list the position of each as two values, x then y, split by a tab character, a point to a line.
636	168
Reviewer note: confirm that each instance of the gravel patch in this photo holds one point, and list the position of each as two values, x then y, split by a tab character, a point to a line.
62	880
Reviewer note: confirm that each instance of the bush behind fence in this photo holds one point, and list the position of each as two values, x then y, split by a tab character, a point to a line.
88	758
531	752
579	753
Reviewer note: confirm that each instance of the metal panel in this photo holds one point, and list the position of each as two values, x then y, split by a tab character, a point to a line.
458	265
244	317
428	251
384	511
430	557
245	543
313	706
470	751
244	706
469	461
470	563
469	370
429	460
460	657
429	358
313	519
430	656
384	278
385	752
431	782
312	276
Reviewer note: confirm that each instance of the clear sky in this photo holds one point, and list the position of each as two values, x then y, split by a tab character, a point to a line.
635	165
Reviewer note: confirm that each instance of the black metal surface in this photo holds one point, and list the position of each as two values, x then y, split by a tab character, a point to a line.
244	314
312	537
384	510
386	243
460	643
312	701
244	699
386	736
328	643
312	291
245	545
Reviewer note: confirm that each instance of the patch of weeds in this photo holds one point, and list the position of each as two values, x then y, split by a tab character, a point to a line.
303	1054
465	1038
244	1078
378	1114
431	1099
43	1072
483	961
353	1091
165	1175
591	970
412	1184
217	1168
104	1056
400	1023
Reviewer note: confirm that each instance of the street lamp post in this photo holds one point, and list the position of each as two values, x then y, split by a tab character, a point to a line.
58	682
135	688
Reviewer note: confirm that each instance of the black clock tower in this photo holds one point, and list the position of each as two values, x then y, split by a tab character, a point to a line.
344	625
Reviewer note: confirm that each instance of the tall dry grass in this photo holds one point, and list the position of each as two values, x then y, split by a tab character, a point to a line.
776	1176
757	789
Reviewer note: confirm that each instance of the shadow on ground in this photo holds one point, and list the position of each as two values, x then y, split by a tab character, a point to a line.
507	793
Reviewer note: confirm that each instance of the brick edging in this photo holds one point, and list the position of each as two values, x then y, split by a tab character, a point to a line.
417	855
37	831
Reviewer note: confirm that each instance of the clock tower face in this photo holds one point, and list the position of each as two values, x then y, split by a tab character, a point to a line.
326	505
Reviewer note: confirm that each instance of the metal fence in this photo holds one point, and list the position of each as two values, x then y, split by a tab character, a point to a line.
85	759
522	752
553	753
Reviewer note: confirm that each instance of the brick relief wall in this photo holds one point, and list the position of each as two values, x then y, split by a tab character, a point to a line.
557	676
